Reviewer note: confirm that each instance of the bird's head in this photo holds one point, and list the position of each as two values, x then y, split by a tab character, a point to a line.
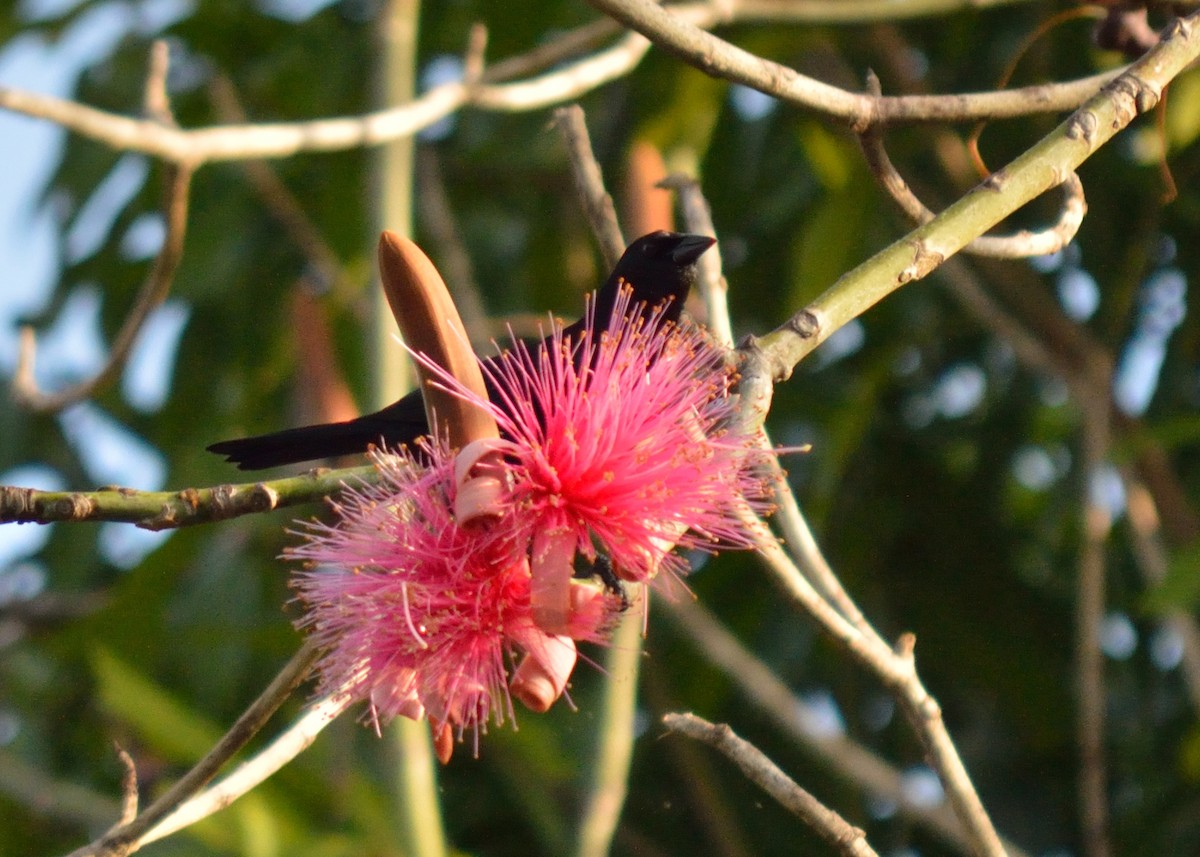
658	267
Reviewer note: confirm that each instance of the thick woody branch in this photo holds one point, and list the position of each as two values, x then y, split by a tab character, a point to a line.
834	829
164	510
680	35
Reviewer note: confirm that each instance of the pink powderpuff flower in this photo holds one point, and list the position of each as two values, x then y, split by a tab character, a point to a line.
415	613
620	442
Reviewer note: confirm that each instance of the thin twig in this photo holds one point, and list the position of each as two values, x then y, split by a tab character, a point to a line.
176	185
125	838
714	289
129	788
287	746
766	774
844	757
1092	696
1020	245
896	668
589	183
284	139
154	291
156	104
564	83
1151	556
163	510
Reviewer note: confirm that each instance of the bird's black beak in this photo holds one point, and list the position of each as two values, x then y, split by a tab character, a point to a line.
690	247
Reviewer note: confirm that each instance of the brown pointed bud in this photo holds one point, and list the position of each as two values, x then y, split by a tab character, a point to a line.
431	326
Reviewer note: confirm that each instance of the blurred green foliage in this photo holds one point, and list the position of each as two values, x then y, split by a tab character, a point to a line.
942	482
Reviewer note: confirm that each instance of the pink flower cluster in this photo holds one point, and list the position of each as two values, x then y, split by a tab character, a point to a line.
617	443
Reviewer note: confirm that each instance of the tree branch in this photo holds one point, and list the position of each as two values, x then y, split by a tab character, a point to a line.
844	757
164	510
596	201
153	292
1020	245
896	669
679	34
766	774
126	838
1043	166
287	746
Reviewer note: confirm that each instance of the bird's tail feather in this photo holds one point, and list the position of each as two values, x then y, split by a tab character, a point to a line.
306	443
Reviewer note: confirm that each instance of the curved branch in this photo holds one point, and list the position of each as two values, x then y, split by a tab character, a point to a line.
1043	166
1020	245
681	36
153	292
282	139
164	510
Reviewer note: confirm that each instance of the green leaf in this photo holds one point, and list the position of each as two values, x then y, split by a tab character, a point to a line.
1180	589
158	717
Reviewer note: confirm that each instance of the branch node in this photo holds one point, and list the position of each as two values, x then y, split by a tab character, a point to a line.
75	507
805	324
925	259
164	520
264	498
1083	126
1180	28
191	497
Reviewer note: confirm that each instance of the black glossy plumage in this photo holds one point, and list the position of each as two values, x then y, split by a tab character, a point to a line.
658	267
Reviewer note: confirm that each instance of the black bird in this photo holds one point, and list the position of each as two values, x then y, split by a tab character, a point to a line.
659	267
